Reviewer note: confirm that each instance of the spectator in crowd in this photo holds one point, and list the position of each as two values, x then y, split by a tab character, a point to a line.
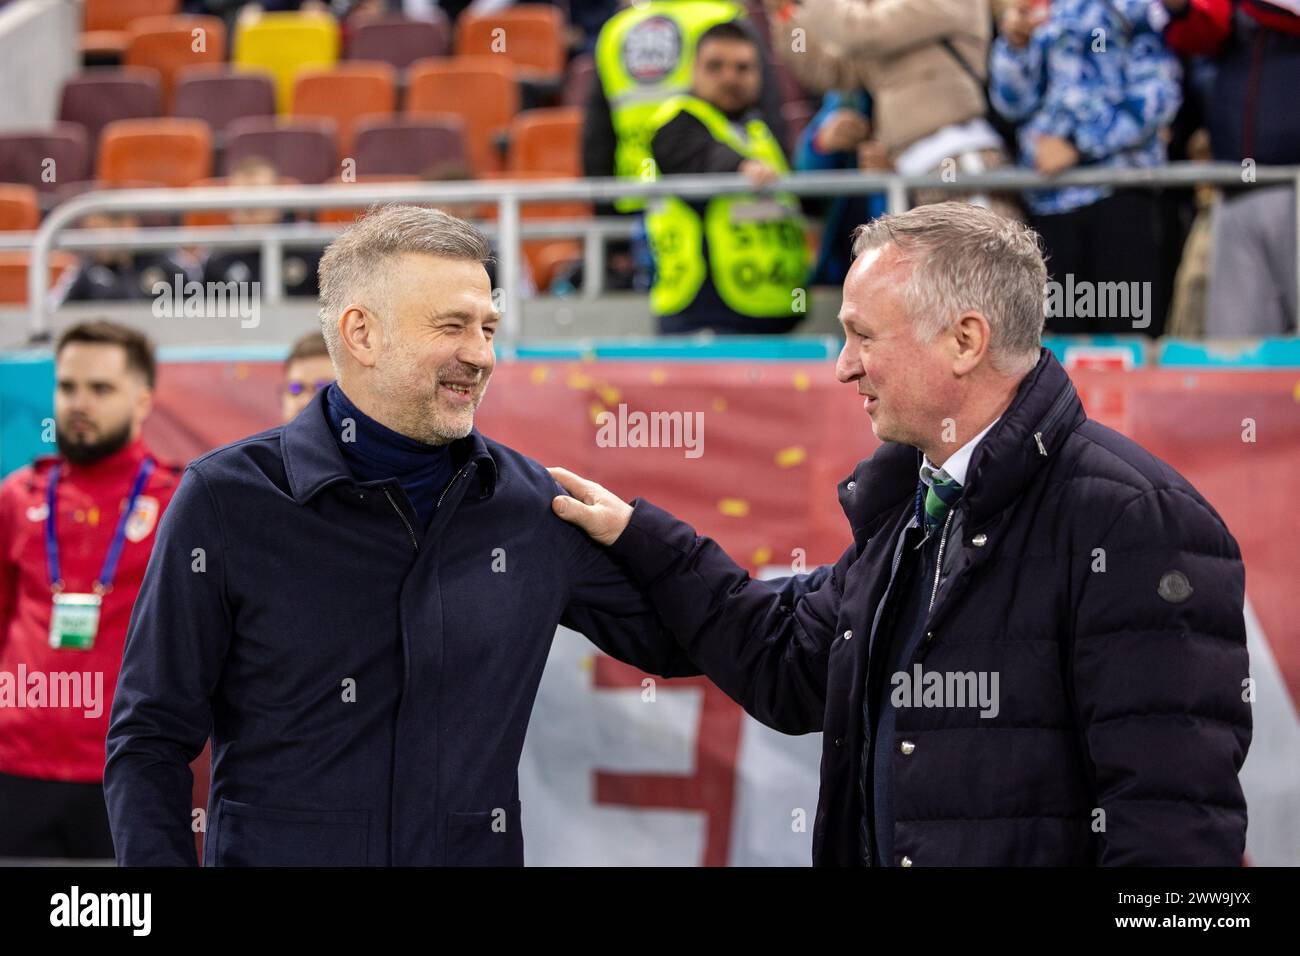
297	264
1252	120
732	263
307	370
830	141
76	532
1091	82
643	57
119	274
922	61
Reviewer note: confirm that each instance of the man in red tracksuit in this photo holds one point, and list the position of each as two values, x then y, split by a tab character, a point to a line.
68	580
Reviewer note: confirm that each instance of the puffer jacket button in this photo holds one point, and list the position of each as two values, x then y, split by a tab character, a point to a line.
907	747
851	486
848	635
980	540
905	861
929	636
839	741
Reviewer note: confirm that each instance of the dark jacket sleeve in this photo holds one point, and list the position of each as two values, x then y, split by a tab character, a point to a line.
1159	688
162	714
684	145
765	643
610	610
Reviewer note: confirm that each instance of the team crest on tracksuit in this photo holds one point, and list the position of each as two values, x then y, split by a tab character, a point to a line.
143	517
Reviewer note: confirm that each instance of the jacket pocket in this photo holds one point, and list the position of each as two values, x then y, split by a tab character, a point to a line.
485	837
262	836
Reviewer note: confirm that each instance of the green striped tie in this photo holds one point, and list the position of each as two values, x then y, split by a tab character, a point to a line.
942	494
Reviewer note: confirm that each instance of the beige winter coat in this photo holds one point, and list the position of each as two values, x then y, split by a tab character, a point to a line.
893	49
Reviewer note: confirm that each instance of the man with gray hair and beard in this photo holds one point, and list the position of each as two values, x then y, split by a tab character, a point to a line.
1000	539
358	605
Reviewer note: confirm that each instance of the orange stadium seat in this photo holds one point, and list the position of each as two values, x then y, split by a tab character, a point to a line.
547	141
346	93
174	152
20	210
543	257
482	90
285	44
13	273
170	44
531	35
105	22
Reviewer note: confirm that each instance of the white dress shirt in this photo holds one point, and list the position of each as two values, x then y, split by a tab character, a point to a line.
957	463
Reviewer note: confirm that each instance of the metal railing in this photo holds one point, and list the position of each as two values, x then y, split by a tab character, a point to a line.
509	196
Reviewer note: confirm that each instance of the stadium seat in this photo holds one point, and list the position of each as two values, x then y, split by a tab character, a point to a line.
579	77
543	257
482	90
98	96
45	158
530	35
170	44
219	96
408	146
284	44
13	273
400	41
218	217
105	22
344	94
19	209
305	149
174	152
547	141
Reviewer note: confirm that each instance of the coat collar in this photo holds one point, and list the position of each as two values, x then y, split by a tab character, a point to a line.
313	461
1045	409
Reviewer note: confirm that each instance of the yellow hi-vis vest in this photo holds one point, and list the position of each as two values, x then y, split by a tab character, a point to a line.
644	56
757	256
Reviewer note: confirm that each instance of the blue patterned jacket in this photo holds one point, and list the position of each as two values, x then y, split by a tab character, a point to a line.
1097	73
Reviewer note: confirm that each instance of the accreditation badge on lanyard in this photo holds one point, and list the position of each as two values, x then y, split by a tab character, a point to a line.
74	617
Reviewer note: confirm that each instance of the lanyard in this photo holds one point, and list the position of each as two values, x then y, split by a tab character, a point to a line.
105	581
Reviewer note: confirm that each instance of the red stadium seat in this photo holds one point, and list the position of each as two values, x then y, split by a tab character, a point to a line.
174	152
19	209
544	256
46	157
219	96
170	44
547	141
306	149
13	273
98	96
531	35
399	41
344	94
482	90
105	23
408	145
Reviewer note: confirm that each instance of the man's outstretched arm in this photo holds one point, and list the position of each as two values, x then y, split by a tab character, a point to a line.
765	643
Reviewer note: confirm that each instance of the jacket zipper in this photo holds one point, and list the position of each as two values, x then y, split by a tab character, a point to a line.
938	563
455	478
409	530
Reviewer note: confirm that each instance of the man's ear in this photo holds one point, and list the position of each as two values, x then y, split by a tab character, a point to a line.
970	341
360	335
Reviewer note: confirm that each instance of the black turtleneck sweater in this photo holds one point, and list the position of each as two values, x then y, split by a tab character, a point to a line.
377	452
